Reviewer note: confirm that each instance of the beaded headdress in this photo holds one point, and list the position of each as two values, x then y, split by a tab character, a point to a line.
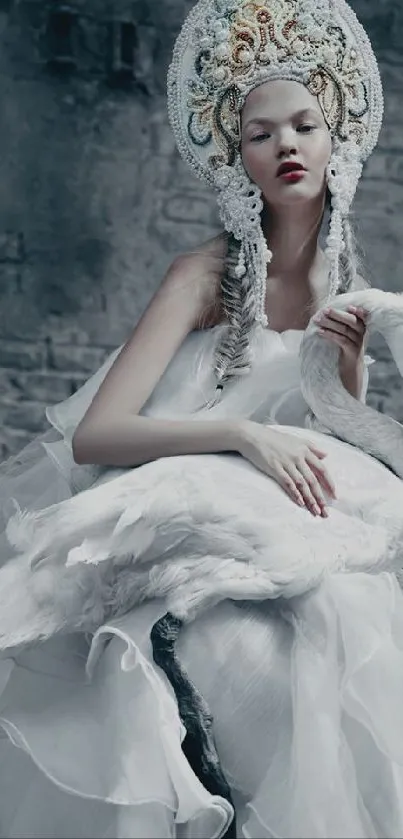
226	49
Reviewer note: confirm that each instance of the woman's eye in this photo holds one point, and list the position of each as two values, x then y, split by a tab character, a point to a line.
258	137
305	128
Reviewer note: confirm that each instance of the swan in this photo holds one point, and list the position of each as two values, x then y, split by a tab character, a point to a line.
333	407
170	530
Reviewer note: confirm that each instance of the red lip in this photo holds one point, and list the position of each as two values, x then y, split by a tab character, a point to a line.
292	176
290	166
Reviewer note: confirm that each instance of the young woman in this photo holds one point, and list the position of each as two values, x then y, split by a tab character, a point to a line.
233	597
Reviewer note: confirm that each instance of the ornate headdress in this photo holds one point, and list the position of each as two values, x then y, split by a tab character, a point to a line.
226	49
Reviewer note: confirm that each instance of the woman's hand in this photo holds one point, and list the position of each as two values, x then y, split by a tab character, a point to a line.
294	463
347	330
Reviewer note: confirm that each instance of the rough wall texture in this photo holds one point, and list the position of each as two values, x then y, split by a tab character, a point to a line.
95	201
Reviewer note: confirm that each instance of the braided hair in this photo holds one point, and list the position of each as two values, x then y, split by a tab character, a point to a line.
232	357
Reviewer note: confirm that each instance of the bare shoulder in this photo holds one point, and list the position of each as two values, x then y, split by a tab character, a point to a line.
187	290
202	269
205	260
216	246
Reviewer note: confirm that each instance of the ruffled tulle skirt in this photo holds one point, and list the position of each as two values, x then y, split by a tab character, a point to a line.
306	700
306	696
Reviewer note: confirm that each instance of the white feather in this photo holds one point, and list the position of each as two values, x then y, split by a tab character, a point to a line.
200	528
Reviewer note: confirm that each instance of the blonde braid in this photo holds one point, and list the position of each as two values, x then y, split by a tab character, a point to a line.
232	353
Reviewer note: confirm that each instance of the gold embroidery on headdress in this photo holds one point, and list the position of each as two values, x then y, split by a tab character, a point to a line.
251	39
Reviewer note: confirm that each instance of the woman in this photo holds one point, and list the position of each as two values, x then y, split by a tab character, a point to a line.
234	536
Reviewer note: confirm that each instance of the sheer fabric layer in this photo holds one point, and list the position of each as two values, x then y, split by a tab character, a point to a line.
306	702
305	693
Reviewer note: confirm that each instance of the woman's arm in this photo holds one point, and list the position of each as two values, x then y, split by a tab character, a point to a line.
112	432
133	440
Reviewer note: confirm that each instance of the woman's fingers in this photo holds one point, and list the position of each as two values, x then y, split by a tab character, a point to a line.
340	328
318	452
345	342
349	324
313	483
360	312
314	458
308	486
347	318
297	488
322	475
288	484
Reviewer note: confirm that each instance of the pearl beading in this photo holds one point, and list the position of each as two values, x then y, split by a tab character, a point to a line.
244	43
240	204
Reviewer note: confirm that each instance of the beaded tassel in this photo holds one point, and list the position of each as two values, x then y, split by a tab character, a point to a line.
334	246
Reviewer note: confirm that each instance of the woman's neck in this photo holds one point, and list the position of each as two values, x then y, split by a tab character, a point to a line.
292	235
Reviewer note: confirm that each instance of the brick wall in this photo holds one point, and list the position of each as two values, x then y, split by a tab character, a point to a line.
95	201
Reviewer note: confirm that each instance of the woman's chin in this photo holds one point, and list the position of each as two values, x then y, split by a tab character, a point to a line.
292	194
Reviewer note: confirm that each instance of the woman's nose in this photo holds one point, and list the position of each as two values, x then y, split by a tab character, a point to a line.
286	146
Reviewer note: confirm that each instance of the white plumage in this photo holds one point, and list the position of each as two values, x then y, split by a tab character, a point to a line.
197	529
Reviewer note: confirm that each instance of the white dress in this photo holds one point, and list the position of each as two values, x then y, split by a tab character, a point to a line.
306	690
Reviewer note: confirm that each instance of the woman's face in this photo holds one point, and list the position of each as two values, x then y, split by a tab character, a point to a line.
282	122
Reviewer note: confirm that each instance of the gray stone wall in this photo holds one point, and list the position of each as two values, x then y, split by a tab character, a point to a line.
95	201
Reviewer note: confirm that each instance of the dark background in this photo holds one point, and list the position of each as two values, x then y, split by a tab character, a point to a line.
95	201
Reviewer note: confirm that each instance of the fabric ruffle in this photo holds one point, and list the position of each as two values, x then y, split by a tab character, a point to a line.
305	692
306	699
99	723
313	740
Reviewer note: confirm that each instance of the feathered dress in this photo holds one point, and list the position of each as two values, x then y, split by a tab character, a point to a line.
291	628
